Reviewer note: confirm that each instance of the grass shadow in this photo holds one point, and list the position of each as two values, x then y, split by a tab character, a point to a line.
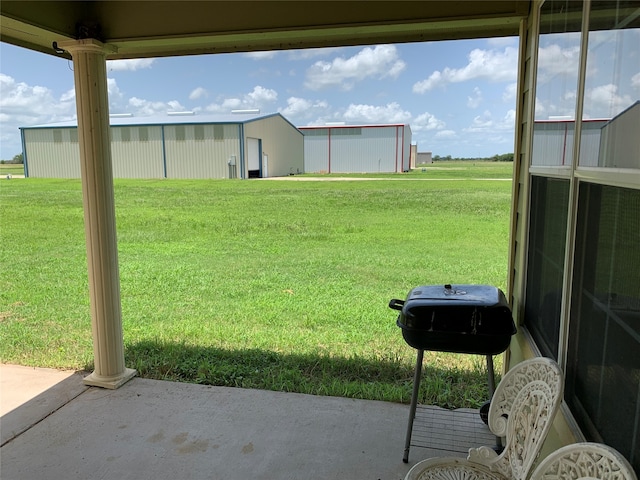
363	378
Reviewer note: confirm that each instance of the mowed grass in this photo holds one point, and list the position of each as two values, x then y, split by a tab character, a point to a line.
11	169
280	285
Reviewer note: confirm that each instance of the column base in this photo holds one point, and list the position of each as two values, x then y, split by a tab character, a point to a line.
112	382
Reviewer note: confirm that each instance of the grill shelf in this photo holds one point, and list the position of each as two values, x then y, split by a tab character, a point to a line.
458	430
472	319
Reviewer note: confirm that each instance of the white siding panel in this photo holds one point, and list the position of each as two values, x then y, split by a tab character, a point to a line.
620	145
208	158
358	149
52	155
136	155
373	151
316	153
552	143
281	141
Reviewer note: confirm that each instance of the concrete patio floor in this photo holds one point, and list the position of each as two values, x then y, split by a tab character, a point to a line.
54	427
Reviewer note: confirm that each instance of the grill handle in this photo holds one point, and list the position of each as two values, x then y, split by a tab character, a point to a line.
396	304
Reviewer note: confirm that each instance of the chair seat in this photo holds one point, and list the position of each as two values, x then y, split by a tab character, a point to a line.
450	468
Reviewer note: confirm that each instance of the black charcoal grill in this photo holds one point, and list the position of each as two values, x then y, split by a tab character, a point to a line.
473	319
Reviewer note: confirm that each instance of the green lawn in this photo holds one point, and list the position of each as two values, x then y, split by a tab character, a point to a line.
279	285
10	169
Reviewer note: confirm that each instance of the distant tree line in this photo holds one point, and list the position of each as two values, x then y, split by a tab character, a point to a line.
505	157
16	159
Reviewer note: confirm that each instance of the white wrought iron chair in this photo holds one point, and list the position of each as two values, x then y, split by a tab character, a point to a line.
522	411
584	461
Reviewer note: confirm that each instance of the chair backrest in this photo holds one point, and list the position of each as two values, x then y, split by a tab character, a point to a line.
522	411
584	461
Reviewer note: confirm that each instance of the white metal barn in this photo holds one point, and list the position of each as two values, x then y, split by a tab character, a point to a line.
357	148
553	142
181	146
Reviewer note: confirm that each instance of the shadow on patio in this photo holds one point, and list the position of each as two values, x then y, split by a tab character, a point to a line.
166	430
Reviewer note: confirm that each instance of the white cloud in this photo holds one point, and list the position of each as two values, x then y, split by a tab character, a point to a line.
635	80
554	60
262	96
261	55
485	123
426	121
24	105
604	102
476	99
390	113
378	62
300	108
129	65
446	134
491	65
198	93
259	97
141	107
509	93
116	97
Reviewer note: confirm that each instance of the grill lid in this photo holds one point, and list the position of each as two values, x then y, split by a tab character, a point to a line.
461	318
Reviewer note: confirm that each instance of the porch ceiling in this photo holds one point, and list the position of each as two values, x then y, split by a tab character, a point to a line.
168	28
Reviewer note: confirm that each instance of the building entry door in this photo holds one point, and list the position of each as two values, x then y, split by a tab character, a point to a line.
253	157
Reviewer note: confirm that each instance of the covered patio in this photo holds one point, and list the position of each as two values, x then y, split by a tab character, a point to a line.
54	426
572	282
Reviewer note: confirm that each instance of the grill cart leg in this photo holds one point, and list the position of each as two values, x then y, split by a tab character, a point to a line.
414	403
492	388
491	375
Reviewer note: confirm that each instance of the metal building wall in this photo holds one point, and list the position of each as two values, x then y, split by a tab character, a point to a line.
553	143
206	158
316	150
52	152
619	146
363	150
405	148
590	142
281	142
136	155
357	149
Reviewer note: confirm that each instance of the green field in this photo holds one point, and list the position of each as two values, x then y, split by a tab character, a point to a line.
278	285
11	169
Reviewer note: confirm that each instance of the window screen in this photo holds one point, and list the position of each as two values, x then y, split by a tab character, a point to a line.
603	366
57	136
547	240
125	134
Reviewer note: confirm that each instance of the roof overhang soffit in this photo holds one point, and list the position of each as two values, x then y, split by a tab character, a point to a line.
152	29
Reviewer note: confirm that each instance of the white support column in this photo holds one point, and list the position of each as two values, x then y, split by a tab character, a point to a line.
90	74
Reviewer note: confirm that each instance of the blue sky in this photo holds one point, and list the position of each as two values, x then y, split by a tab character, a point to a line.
457	96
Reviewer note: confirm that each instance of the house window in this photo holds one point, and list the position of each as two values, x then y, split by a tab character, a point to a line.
556	83
218	132
198	132
57	136
603	351
603	369
547	240
125	134
73	135
180	133
143	134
